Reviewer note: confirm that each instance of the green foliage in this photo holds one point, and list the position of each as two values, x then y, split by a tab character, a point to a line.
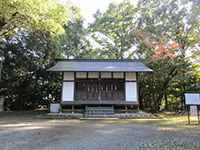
28	34
25	81
74	42
112	31
48	15
197	70
169	21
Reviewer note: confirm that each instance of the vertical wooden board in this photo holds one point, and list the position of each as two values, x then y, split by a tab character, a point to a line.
68	91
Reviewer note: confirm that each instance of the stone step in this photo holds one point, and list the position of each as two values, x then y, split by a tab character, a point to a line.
100	116
99	108
99	111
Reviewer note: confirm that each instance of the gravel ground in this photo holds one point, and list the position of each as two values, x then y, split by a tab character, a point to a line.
26	132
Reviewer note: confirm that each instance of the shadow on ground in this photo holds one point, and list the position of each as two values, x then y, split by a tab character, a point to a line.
25	131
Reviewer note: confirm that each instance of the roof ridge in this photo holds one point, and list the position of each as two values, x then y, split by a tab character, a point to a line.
100	60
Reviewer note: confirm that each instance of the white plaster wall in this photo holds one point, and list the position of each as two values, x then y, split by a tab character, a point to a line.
118	75
68	76
93	74
68	91
81	74
131	76
131	91
105	74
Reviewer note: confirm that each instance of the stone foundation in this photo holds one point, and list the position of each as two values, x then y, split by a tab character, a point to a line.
137	115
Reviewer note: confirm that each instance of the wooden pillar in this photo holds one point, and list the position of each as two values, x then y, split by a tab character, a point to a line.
111	86
137	89
188	111
87	85
72	109
124	95
126	108
198	114
62	86
99	87
86	108
138	108
1	103
75	86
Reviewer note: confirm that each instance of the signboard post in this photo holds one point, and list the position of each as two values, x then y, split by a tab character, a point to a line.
1	104
192	99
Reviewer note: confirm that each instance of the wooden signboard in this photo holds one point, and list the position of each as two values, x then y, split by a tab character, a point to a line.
192	99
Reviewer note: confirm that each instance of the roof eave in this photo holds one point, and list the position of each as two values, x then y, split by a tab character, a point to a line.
139	71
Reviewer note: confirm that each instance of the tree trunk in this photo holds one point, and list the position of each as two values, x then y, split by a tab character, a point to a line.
166	101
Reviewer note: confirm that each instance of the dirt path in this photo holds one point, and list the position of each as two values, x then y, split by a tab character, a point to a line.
25	132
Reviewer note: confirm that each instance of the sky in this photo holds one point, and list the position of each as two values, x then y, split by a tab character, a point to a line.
89	7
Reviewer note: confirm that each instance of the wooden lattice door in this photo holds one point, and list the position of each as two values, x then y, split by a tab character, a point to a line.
103	89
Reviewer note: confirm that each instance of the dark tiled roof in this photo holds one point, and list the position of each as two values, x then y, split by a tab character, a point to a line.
100	65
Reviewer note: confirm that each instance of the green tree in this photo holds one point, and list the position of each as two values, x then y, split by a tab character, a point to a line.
112	31
28	45
74	42
48	15
160	23
25	81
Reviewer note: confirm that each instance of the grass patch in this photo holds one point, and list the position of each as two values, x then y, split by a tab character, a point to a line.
163	120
